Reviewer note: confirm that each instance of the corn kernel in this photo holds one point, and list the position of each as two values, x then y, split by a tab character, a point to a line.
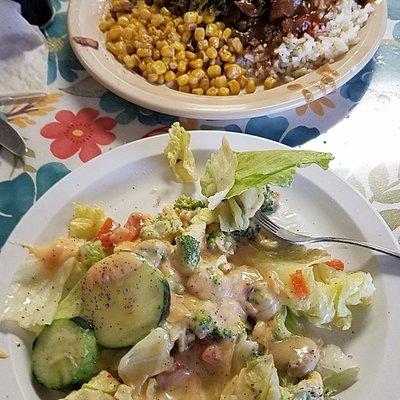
199	34
129	62
178	21
211	30
223	91
128	33
233	71
164	11
212	53
226	34
270	82
232	59
123	21
220	81
143	53
159	67
198	73
214	71
214	42
182	66
173	65
190	55
104	25
156	54
212	91
213	82
224	54
152	78
180	55
170	76
237	45
183	80
161	79
190	17
114	33
193	82
195	64
198	91
180	29
208	18
144	14
178	46
242	81
234	87
251	85
203	56
184	88
156	20
204	84
167	51
202	44
120	48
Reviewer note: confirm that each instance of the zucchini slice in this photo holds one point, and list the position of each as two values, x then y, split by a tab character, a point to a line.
124	298
64	354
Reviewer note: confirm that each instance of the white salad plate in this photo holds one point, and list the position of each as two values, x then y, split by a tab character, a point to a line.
84	18
135	177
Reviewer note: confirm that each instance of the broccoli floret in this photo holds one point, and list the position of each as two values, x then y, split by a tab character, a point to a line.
220	240
188	203
91	253
270	200
188	252
204	325
166	226
248	235
218	334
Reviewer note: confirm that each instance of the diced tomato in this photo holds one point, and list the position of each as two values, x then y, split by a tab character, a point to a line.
104	233
135	223
299	284
335	264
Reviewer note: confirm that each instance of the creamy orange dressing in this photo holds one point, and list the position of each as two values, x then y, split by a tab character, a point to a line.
55	254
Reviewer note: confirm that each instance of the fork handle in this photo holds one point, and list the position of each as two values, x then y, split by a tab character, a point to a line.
355	243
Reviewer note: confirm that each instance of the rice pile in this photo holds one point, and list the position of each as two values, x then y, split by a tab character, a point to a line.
297	56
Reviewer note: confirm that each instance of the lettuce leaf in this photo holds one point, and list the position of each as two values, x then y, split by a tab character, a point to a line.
86	221
198	224
35	292
147	358
219	176
273	167
179	155
71	305
340	381
257	381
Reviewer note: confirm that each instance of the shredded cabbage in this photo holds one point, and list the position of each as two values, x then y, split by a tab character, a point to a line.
179	155
86	221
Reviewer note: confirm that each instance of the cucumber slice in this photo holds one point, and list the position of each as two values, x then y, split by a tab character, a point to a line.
64	354
124	298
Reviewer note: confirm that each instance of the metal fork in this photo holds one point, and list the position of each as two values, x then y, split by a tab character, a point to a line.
296	238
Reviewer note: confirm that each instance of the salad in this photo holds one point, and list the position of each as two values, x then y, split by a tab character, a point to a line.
196	302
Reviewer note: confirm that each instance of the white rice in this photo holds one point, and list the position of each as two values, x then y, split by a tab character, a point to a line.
297	56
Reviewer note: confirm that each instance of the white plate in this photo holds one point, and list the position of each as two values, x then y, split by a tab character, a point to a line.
135	177
83	20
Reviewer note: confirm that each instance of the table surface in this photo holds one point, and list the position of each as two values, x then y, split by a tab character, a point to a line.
359	123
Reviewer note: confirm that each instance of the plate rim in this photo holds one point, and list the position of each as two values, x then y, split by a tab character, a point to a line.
175	103
156	150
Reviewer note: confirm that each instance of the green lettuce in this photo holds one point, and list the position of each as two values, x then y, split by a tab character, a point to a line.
340	381
179	155
86	221
71	305
90	253
257	381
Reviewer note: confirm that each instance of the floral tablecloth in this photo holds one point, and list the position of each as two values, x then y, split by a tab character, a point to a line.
359	123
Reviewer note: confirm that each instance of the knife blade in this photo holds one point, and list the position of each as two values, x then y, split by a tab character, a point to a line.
11	139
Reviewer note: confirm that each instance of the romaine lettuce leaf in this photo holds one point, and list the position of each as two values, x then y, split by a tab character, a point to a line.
272	167
35	292
340	381
147	358
71	305
86	221
257	381
179	155
333	360
219	176
90	253
198	224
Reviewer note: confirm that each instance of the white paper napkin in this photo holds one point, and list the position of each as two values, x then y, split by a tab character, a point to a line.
23	55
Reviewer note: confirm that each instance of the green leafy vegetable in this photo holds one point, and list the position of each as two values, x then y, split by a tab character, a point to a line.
340	381
90	253
188	203
71	305
179	155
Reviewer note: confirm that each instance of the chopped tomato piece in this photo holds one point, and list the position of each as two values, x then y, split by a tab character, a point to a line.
135	223
212	355
335	264
299	284
104	233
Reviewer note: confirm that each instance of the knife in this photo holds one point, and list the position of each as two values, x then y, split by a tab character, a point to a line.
10	138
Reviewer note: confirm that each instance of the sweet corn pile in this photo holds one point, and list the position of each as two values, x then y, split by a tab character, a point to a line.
193	53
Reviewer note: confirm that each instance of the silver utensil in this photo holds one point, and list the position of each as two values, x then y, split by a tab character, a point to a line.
296	238
11	139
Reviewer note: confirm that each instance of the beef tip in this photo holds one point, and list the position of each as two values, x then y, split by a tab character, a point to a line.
284	9
302	24
251	8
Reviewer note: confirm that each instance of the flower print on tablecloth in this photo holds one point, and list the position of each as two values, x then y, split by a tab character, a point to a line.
396	31
19	194
394	9
128	112
83	133
61	60
356	87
